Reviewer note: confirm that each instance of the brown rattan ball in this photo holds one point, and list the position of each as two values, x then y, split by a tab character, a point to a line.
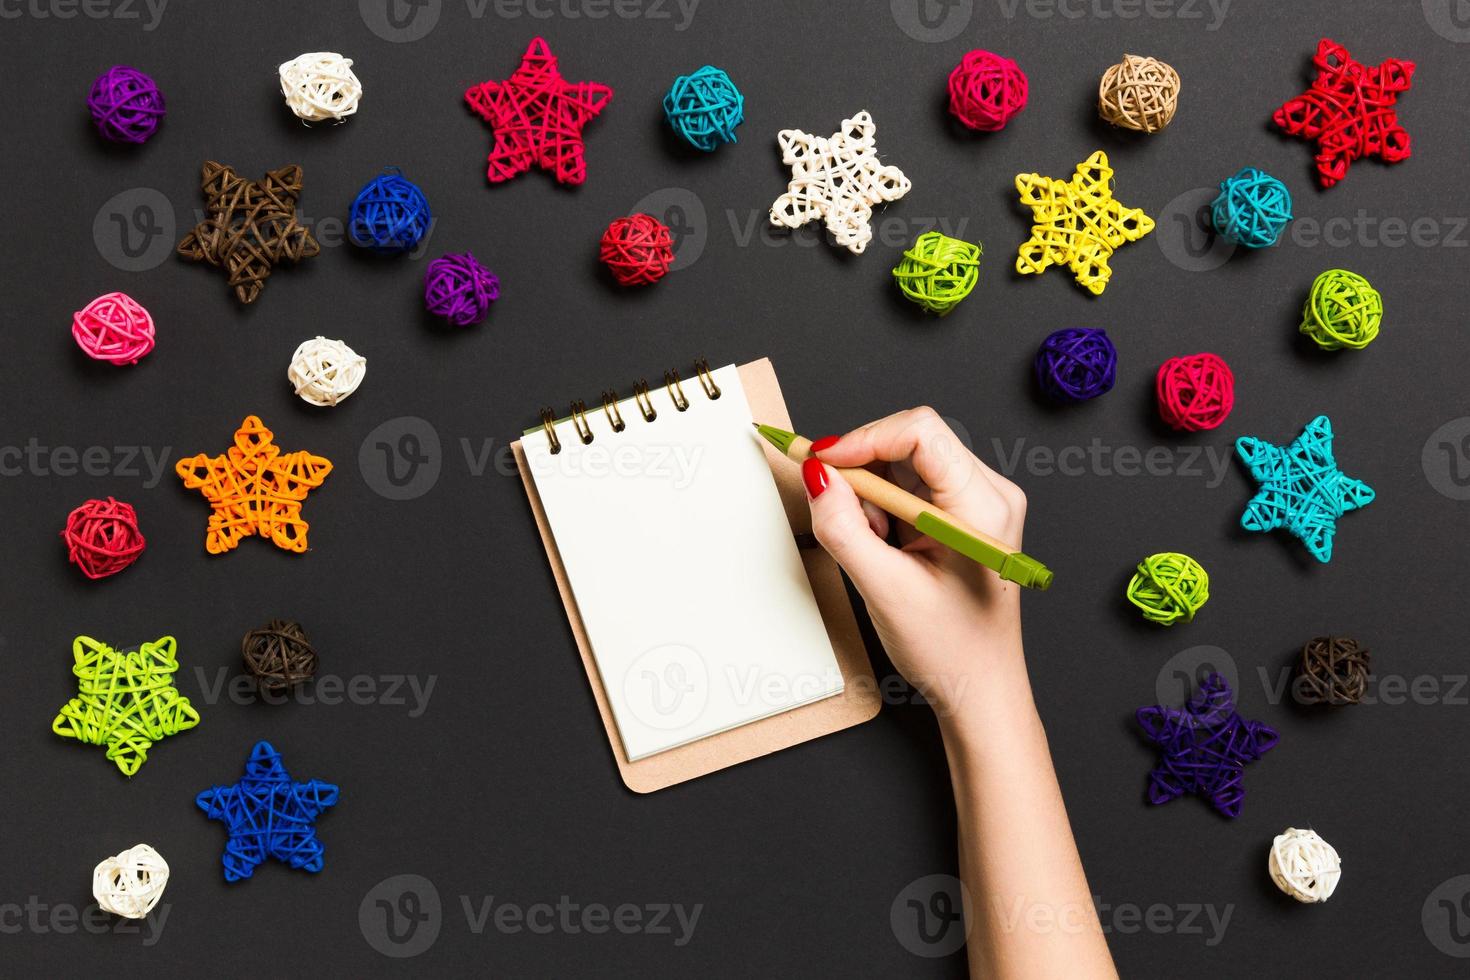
278	656
1332	670
1138	93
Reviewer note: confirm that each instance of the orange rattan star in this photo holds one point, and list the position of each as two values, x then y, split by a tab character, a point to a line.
254	489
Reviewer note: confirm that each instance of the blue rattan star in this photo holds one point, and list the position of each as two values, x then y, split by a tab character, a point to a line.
1203	747
267	815
1302	489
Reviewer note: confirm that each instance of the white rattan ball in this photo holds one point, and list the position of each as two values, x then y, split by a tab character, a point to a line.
320	85
131	883
324	372
1304	865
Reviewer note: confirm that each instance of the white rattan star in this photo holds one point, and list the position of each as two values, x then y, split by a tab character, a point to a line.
837	178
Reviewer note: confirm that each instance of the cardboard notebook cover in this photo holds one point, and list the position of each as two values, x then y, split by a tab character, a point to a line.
858	702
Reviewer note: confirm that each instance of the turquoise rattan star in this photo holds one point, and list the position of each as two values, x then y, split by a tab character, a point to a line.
1302	489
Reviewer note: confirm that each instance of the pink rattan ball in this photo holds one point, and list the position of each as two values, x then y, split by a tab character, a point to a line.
113	328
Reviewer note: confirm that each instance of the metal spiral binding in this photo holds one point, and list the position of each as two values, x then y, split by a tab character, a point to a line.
645	404
548	422
579	419
672	384
706	378
676	390
610	406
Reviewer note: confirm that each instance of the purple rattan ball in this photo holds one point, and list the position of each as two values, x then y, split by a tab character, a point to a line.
1075	365
125	104
460	289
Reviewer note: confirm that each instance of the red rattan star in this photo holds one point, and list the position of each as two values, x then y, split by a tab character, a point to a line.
538	117
1349	111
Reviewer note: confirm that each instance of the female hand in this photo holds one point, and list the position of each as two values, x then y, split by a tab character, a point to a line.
953	628
948	623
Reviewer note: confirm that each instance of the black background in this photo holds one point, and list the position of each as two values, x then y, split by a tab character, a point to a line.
504	786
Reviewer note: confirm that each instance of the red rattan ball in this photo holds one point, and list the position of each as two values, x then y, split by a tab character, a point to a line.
638	249
102	537
1195	392
986	90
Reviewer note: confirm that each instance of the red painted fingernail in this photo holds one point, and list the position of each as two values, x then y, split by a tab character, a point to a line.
814	475
826	442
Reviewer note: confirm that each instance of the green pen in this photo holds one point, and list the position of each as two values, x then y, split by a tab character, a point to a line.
948	530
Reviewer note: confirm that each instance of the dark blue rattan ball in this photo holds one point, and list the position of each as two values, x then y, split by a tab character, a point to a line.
1075	365
390	214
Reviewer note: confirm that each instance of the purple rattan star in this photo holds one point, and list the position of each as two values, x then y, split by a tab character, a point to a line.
1203	747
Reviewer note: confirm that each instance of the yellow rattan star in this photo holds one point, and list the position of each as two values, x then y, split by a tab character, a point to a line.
1078	223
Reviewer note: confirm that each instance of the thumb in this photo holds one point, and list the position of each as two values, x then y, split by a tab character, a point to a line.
841	526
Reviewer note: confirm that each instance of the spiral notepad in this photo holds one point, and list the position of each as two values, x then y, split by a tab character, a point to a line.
681	560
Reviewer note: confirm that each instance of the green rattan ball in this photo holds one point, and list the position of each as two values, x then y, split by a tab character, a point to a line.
1169	587
938	271
1343	310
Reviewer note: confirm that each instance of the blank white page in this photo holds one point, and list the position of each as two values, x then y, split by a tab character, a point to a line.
683	567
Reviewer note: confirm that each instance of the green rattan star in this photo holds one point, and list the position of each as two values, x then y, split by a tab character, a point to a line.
126	701
1302	489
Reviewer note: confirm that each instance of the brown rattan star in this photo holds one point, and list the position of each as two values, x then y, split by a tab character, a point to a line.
250	228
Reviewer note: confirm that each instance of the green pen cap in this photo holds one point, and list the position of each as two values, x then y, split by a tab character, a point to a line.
1011	566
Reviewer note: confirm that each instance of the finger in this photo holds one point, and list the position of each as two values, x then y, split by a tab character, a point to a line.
841	526
918	436
930	461
877	519
908	535
902	475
